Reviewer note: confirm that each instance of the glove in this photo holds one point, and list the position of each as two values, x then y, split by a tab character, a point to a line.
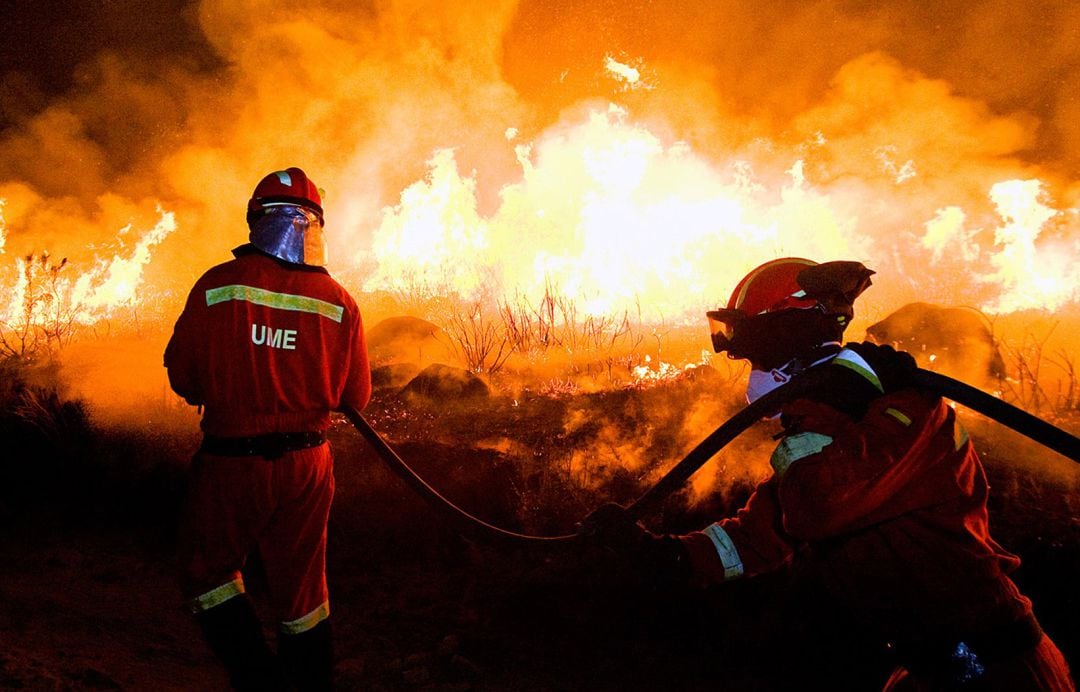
611	526
895	369
661	560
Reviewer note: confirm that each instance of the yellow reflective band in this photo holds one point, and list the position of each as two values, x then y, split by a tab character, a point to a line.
270	299
853	361
960	435
898	416
795	447
725	548
217	596
306	622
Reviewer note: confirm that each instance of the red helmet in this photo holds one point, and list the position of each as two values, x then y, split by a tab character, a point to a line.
772	287
290	186
785	284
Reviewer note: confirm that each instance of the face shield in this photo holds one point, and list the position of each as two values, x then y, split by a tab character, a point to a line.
771	340
722	328
291	233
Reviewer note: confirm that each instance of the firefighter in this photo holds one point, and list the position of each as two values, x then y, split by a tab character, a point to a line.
875	487
268	344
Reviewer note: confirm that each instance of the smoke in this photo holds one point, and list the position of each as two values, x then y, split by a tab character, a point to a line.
761	64
188	104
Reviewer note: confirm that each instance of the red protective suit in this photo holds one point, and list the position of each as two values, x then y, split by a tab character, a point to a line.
265	347
890	512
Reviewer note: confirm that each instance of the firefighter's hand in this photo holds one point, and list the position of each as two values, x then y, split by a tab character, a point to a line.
895	369
659	560
610	526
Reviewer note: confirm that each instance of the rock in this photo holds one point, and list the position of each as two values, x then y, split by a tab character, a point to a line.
954	341
393	376
408	340
445	383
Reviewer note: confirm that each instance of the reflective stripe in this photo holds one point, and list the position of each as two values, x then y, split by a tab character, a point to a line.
270	299
853	361
960	435
217	596
306	622
725	548
795	447
898	415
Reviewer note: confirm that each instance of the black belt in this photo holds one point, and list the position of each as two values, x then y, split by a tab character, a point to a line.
269	446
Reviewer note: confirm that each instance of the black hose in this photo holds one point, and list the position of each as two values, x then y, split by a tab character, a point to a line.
975	399
1008	415
764	407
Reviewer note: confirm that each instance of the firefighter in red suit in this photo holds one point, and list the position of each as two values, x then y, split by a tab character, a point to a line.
267	345
875	486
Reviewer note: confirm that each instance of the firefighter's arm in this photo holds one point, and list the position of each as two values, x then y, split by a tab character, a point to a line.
751	542
184	351
357	391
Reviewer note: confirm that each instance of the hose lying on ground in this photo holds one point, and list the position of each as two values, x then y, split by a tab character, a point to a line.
975	399
465	522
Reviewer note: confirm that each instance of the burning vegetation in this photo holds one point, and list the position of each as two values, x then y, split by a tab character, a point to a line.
534	208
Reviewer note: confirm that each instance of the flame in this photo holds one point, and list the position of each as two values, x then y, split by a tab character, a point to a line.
1033	275
3	226
662	371
115	283
628	75
610	215
621	220
44	295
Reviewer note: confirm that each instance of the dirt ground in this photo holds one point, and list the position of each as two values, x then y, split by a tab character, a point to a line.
88	597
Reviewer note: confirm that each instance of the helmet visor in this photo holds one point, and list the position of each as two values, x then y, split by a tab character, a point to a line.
722	327
291	233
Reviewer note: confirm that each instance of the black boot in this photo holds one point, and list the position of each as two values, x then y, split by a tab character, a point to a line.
235	635
308	658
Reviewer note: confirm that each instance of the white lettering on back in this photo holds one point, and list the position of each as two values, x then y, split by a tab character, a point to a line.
274	338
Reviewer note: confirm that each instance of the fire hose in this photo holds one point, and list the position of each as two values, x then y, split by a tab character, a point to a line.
1017	419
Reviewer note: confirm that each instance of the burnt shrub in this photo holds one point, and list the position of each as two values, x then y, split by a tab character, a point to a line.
58	461
48	439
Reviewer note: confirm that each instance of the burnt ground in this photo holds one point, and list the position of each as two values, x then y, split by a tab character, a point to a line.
88	599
